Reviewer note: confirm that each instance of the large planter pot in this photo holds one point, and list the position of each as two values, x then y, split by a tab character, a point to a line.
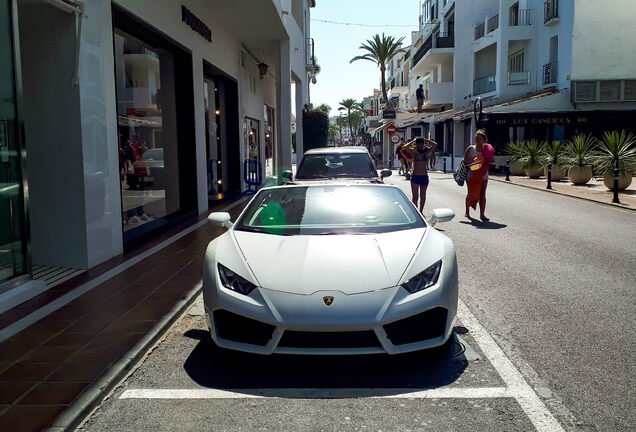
580	175
516	169
558	172
624	180
533	172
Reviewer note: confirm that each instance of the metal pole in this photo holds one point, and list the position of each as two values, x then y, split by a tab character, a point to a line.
549	176
444	165
508	170
615	200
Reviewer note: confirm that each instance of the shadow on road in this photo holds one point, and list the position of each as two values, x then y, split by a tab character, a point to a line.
213	367
483	225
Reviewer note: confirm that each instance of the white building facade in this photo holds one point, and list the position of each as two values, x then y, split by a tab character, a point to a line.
126	117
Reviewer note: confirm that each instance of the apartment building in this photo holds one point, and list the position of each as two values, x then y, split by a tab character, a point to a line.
544	69
122	118
398	72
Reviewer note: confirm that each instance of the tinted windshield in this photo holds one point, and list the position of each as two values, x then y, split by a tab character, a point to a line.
320	166
323	210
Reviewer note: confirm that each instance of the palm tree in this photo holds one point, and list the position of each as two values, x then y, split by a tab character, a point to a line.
381	49
350	105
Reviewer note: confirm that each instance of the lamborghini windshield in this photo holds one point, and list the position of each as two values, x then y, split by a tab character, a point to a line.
325	210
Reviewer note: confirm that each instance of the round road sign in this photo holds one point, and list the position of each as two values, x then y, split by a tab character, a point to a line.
391	129
395	139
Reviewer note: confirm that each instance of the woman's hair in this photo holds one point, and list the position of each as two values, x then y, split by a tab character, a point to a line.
482	132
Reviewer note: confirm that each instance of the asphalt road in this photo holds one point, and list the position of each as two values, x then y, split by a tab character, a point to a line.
547	329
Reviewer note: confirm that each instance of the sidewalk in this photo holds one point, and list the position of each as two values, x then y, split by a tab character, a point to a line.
61	351
595	190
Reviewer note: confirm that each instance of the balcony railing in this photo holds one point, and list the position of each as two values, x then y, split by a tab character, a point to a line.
445	40
485	84
520	17
519	78
480	31
493	23
550	72
426	46
550	10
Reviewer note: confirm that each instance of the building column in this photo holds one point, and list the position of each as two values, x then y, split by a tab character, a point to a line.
283	103
300	149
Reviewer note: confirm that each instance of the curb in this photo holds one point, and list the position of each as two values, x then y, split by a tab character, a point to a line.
620	206
90	398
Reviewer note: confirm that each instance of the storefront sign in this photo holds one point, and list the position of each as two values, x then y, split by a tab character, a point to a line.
195	23
541	120
387	114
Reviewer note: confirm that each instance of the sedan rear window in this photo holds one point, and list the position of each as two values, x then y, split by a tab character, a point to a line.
321	166
325	210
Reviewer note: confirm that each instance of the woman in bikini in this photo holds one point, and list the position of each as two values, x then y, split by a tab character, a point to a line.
478	177
419	179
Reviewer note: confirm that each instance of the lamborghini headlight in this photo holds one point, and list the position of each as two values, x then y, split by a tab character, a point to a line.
423	280
233	281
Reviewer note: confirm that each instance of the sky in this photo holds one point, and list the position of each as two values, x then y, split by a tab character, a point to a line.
336	44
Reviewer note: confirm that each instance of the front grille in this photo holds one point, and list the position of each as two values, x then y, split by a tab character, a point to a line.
237	328
353	339
417	328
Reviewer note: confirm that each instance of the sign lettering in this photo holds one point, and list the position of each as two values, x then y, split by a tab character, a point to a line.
195	23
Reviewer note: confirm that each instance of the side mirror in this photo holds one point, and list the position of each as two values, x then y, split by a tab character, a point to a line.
441	215
286	175
220	219
385	173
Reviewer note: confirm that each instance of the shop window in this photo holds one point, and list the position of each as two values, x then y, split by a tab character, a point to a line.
270	146
158	178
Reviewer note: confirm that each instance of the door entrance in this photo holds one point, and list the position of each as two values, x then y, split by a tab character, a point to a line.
12	235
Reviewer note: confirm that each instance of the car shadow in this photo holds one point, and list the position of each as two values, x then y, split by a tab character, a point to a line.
381	374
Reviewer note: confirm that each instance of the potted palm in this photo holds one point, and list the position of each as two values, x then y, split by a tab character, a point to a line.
515	150
616	150
552	153
530	160
578	157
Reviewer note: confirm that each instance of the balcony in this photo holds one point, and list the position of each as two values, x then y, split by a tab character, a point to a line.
440	93
445	40
550	11
426	46
493	23
485	84
519	78
520	17
550	73
480	31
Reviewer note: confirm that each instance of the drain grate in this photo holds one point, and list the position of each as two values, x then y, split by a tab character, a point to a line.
53	276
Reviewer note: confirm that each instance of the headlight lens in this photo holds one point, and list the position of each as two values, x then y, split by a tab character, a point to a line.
423	280
231	280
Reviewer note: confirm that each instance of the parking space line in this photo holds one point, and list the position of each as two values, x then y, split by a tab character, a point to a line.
535	409
319	393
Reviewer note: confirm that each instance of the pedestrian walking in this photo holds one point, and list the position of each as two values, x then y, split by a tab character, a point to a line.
400	158
484	154
424	150
419	94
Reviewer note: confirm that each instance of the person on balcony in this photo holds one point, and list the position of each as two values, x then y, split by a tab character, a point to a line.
419	94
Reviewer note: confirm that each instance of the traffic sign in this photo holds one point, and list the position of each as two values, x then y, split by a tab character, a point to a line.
391	129
395	139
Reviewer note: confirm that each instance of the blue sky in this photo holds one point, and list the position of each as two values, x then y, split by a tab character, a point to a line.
336	44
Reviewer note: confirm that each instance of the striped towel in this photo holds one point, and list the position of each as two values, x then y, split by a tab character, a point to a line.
461	174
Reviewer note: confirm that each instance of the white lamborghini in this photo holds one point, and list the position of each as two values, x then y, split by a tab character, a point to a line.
330	269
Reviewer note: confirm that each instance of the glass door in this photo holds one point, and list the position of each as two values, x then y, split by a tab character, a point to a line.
12	239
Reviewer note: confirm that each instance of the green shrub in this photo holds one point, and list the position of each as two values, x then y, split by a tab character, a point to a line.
315	128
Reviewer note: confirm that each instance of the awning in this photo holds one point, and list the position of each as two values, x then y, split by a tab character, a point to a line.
380	129
417	118
549	100
454	114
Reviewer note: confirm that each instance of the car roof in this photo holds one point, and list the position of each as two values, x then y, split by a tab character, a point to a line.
338	150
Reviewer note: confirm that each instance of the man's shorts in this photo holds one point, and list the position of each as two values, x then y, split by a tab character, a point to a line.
421	180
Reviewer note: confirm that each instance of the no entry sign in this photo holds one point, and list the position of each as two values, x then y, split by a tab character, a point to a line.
391	129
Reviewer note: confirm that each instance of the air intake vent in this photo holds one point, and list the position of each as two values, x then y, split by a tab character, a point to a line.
610	91
630	90
585	91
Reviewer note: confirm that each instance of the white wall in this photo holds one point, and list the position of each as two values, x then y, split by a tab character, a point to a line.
603	39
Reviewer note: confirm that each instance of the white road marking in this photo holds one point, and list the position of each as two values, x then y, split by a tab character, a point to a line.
539	415
317	393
